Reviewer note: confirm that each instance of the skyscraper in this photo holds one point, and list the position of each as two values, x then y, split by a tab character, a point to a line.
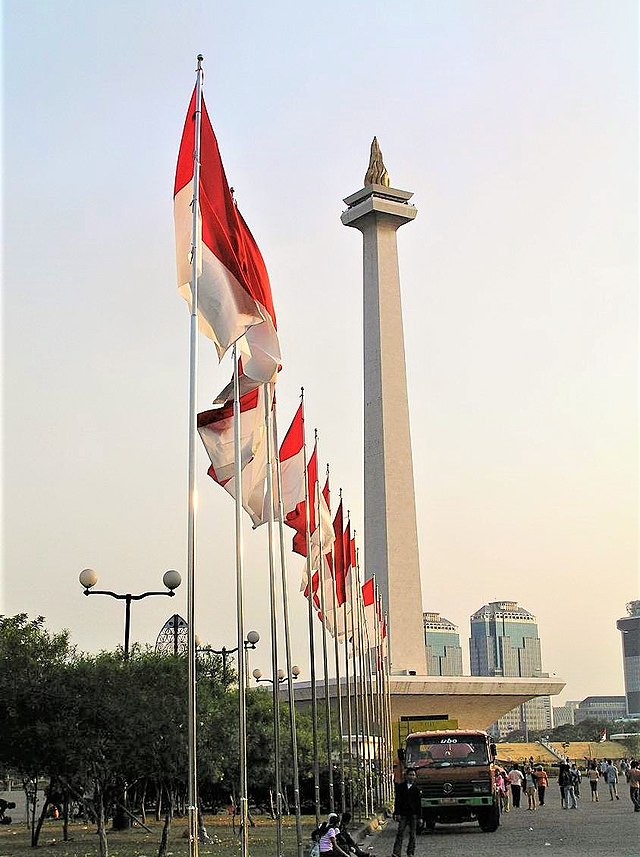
505	642
442	643
629	627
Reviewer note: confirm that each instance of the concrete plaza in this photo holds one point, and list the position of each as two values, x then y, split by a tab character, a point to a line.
593	830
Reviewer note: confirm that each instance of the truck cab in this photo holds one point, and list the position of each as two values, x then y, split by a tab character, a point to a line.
456	777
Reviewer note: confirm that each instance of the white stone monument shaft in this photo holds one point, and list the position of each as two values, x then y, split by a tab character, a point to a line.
390	532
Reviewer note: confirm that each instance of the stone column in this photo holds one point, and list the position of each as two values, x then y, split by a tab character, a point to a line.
390	532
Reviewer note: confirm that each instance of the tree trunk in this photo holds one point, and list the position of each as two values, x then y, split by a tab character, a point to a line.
102	831
158	800
143	813
65	816
35	829
164	841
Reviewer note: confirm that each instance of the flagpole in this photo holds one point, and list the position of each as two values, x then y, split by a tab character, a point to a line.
242	655
192	796
274	629
312	650
387	676
287	645
347	681
336	651
362	695
356	712
325	659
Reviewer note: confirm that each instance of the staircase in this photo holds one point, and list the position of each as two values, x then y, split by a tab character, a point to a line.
548	746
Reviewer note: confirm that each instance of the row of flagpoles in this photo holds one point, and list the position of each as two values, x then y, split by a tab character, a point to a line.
223	277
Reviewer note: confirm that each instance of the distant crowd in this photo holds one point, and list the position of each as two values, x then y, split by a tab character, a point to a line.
531	780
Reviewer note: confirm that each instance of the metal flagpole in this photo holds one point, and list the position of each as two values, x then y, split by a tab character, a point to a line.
192	796
274	627
325	661
368	701
242	655
312	649
287	645
334	608
356	725
387	675
363	688
347	685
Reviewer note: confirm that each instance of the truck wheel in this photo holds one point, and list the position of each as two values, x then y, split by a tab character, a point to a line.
489	820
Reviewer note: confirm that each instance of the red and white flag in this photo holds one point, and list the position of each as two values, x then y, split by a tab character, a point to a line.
369	602
292	468
216	431
234	294
338	558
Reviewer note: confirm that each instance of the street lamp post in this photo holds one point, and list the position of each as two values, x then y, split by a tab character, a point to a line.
253	638
88	579
280	675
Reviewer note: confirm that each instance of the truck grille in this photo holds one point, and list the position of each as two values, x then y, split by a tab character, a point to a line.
435	790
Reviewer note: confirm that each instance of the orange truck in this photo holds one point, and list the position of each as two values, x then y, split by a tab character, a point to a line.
456	777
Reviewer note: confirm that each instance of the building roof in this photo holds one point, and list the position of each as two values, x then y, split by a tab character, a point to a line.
509	609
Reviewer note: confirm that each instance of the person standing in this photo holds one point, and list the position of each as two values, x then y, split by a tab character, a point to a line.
530	787
611	778
542	781
594	775
407	811
516	781
633	778
564	782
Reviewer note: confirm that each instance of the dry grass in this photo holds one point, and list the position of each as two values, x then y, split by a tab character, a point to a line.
15	839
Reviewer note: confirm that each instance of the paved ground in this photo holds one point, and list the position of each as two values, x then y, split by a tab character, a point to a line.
604	829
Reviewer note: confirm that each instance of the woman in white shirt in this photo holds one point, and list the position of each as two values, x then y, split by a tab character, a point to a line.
328	832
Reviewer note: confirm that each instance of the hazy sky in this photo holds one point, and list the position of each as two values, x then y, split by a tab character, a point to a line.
515	124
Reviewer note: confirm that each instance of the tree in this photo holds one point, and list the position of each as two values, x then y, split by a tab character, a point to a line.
34	703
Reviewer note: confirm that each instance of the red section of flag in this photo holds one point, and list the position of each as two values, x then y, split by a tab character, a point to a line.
298	518
294	438
338	558
224	231
368	592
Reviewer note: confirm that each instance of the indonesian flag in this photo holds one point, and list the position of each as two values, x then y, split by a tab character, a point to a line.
292	467
234	294
216	431
322	536
369	602
346	541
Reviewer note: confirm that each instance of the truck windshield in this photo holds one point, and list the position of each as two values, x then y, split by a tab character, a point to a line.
446	752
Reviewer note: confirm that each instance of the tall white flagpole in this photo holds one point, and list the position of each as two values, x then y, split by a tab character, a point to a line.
287	646
192	791
312	648
334	608
325	660
242	655
354	657
274	627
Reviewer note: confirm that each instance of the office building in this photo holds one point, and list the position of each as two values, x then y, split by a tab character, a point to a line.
629	627
504	642
601	708
442	643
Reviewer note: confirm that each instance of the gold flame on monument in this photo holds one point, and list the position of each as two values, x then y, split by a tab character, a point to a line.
377	172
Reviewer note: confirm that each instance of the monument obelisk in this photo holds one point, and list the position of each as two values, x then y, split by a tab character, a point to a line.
390	531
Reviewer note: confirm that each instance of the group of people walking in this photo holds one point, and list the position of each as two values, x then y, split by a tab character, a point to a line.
532	780
611	776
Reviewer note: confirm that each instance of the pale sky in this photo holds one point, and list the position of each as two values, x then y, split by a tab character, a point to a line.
515	124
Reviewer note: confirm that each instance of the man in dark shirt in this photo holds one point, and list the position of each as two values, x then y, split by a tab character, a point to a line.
407	811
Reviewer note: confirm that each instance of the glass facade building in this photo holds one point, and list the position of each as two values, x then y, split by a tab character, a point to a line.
504	642
442	644
629	627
